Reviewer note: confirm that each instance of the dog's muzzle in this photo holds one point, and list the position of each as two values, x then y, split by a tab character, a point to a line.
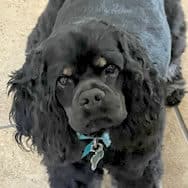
96	106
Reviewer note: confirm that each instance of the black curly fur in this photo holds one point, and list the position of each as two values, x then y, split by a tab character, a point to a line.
134	158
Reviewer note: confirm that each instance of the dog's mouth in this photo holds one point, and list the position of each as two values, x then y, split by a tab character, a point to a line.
99	121
97	126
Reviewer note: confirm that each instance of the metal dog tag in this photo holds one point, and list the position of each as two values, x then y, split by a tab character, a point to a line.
97	156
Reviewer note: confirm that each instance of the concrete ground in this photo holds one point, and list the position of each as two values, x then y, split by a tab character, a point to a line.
19	169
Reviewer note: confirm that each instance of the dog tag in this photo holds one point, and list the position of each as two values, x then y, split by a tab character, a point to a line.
97	156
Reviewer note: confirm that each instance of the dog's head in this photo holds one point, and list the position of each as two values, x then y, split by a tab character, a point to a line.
86	81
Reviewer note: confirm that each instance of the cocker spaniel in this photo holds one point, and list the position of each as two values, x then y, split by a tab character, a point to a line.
91	94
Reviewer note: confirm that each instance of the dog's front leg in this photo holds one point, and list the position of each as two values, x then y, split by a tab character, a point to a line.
75	175
123	177
146	174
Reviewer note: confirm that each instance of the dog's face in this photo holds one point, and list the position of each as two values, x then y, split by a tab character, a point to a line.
93	100
88	83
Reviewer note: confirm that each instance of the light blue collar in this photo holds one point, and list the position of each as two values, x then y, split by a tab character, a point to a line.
105	138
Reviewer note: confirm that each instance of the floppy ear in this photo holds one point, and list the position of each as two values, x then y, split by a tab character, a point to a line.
37	114
144	95
22	85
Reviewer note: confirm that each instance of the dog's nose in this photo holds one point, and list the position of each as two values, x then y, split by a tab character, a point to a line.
91	99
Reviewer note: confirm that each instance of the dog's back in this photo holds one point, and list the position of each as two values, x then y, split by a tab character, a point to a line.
144	18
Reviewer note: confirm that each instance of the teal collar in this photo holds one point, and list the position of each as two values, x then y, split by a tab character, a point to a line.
95	147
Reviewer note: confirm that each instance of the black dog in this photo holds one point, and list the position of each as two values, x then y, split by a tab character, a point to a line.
95	67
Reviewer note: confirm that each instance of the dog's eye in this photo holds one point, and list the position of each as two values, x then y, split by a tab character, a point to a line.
110	69
64	80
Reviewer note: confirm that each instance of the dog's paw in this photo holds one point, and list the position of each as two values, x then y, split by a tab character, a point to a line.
175	85
175	92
